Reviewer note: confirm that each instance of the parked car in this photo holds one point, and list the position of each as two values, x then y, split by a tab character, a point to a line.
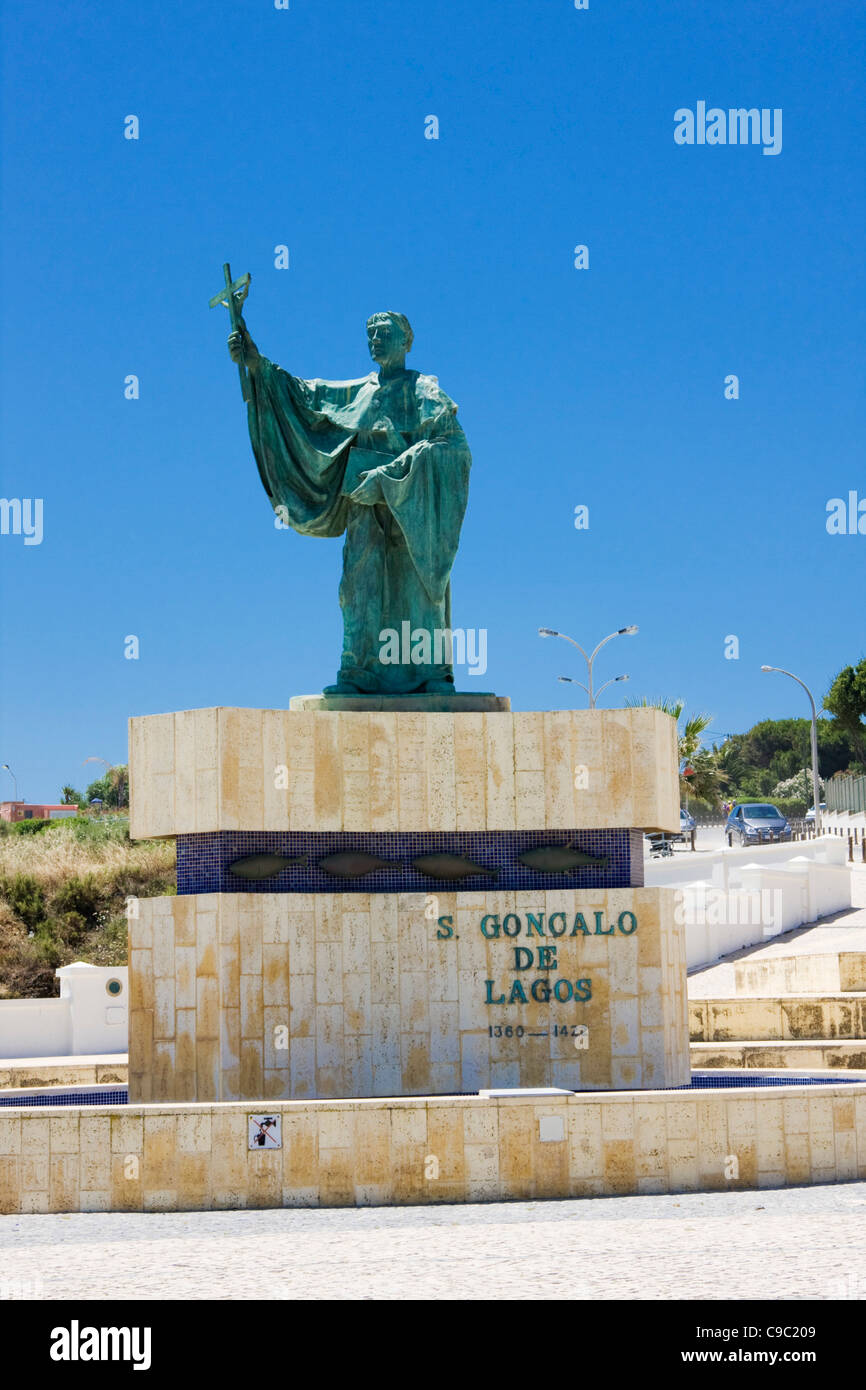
756	823
687	822
810	814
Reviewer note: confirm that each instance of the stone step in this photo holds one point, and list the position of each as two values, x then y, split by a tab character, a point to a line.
815	1055
801	974
782	1017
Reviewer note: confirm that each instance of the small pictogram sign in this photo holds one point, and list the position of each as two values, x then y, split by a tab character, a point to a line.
265	1132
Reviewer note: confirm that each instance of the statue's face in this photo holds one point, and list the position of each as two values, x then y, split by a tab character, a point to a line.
385	341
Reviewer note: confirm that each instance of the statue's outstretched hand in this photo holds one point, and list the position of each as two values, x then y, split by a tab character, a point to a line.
242	349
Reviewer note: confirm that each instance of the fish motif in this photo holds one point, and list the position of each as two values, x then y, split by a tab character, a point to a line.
561	859
355	864
450	866
264	865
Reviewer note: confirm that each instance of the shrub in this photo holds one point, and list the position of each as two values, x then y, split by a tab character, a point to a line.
109	945
48	951
94	830
70	929
798	788
25	897
139	881
82	896
24	971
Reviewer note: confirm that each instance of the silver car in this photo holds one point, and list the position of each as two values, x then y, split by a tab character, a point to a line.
756	823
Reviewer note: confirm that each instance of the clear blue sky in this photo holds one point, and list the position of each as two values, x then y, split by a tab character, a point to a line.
604	387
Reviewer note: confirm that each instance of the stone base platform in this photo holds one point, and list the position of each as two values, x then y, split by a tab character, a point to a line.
200	771
429	1149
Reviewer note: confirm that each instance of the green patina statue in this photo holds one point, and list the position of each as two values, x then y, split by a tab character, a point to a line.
384	460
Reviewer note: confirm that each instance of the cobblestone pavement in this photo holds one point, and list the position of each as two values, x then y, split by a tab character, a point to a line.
801	1243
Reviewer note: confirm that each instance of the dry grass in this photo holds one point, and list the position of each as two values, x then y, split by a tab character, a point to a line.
52	858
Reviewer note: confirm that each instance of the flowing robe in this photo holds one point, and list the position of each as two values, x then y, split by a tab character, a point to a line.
311	440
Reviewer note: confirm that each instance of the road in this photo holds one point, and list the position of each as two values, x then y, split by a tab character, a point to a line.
800	1243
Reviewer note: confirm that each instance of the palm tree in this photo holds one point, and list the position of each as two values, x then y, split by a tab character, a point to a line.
119	779
730	761
706	780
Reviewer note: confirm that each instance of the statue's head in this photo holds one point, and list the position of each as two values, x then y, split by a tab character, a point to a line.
389	337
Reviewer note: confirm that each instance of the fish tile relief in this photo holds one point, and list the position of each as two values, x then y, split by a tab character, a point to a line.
256	861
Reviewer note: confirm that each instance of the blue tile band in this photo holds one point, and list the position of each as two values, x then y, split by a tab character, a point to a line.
203	860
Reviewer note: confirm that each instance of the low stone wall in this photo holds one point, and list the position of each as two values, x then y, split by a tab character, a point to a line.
815	972
442	1149
797	1054
782	1018
31	1072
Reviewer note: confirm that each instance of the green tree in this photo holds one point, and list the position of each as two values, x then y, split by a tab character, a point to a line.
112	788
70	797
776	749
846	701
731	762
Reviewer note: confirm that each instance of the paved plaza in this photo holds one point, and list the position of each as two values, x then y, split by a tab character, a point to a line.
800	1243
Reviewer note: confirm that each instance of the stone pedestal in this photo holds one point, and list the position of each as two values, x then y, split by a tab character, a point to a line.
278	995
319	980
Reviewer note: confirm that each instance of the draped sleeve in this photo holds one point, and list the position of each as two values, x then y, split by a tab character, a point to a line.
426	488
300	448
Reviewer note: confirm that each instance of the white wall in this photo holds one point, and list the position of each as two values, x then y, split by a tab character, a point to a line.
729	899
86	1019
35	1028
100	1020
844	820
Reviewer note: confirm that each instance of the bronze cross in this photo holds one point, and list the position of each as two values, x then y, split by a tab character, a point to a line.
233	296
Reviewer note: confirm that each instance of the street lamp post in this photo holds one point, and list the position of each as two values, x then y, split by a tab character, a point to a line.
591	693
816	786
569	680
8	769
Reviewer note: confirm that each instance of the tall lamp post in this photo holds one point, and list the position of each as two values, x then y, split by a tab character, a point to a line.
591	693
8	769
816	786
